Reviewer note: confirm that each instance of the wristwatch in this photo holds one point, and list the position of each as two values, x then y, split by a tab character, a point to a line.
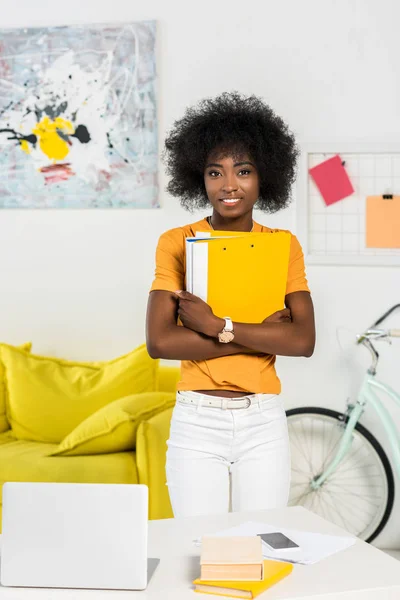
226	335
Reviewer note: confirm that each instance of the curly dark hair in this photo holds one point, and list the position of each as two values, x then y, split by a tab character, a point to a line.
231	124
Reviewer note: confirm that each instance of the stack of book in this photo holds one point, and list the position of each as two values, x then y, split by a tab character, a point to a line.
234	566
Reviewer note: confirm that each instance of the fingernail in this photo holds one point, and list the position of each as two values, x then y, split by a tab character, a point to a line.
178	291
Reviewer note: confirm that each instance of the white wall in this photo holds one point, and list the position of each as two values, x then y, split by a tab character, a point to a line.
75	282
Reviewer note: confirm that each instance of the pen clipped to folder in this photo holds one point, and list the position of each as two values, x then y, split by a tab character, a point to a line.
242	275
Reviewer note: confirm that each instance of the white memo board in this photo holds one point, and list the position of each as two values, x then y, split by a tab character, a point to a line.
335	234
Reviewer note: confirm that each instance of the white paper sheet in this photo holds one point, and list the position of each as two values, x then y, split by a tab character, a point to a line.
313	546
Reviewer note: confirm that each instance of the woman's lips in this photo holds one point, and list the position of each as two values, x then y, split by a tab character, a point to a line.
230	201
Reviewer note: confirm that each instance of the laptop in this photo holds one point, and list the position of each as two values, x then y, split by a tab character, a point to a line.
67	535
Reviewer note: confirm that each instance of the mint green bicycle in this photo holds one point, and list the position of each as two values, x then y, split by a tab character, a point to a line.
339	469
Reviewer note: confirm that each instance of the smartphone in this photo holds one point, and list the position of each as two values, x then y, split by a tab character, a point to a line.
278	541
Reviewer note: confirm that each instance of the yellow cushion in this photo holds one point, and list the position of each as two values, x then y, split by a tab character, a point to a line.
29	461
113	427
4	424
48	397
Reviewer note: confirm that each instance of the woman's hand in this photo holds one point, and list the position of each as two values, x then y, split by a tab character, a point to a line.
197	315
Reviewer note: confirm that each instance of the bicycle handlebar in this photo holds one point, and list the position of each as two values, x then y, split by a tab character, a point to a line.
377	334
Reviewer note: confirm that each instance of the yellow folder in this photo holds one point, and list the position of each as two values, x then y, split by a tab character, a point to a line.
240	275
274	571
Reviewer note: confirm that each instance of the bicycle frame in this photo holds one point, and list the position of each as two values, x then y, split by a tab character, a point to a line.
367	395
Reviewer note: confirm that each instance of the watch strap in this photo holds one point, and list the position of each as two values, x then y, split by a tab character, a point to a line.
228	324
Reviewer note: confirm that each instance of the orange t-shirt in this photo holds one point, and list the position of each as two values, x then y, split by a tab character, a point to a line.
239	372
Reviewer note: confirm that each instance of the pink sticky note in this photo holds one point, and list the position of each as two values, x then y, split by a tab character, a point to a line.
332	180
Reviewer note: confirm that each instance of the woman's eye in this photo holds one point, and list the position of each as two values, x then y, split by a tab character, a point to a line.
244	172
213	173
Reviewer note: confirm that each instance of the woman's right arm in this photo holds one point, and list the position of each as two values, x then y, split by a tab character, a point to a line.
165	339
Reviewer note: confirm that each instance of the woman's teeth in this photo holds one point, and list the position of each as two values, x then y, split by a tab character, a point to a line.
230	200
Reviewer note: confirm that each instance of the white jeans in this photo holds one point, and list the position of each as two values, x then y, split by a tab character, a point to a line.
227	459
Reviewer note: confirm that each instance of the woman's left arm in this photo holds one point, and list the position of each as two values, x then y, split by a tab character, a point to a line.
295	337
287	337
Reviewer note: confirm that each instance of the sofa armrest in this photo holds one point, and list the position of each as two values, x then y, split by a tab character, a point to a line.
151	449
167	378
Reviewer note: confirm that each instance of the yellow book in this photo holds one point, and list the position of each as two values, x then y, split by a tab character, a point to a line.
240	275
274	571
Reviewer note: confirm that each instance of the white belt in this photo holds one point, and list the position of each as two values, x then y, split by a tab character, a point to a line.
224	403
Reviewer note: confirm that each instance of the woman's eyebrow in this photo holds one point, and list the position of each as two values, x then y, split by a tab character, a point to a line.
246	162
238	164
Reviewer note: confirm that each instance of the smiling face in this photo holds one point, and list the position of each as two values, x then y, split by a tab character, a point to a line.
232	186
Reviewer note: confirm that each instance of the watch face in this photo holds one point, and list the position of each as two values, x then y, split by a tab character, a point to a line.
226	336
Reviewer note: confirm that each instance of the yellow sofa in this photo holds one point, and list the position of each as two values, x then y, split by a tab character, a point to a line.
22	460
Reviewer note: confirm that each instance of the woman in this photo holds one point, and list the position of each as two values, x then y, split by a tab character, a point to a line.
228	445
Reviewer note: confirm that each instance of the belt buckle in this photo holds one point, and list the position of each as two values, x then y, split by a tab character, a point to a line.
248	404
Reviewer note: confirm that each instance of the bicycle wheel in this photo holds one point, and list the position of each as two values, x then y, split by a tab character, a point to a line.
359	495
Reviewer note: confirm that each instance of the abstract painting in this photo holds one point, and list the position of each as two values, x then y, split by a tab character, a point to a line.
78	118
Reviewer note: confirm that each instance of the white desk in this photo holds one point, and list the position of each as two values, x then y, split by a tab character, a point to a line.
359	573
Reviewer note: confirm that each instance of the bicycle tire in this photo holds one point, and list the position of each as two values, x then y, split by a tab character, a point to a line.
342	418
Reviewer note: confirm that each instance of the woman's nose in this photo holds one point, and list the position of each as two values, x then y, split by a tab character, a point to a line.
230	184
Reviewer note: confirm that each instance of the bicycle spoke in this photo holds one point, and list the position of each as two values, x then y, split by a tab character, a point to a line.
300	448
352	467
352	478
297	485
334	510
332	445
332	453
355	516
351	504
358	496
350	456
322	509
347	525
294	470
299	498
